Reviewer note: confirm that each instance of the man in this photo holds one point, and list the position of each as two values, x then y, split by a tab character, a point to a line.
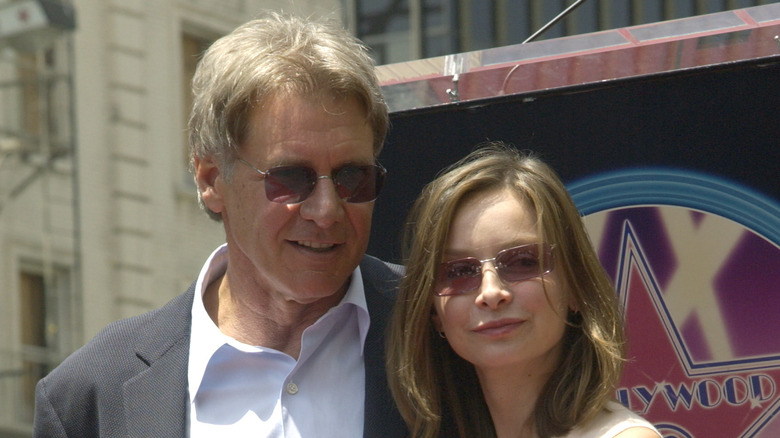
282	333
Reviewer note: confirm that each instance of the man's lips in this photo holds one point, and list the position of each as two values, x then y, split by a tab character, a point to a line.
315	246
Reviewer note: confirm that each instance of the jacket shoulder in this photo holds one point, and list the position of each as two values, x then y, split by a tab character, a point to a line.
381	276
89	383
121	340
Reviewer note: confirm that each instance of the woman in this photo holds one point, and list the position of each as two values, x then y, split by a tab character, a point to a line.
506	324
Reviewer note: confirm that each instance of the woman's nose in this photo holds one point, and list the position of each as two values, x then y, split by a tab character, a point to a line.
492	291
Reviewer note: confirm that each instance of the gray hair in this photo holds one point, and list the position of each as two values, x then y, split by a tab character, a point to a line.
273	55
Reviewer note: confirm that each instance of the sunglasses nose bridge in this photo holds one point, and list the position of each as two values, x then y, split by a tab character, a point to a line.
317	179
491	263
492	290
486	266
314	183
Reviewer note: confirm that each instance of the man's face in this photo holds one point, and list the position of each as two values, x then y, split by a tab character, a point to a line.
307	251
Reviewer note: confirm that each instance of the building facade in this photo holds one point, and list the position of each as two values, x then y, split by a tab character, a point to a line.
402	30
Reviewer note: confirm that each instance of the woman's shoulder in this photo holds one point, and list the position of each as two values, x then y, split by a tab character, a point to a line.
613	421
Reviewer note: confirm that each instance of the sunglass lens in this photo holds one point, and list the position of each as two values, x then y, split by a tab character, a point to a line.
289	184
359	183
459	276
522	263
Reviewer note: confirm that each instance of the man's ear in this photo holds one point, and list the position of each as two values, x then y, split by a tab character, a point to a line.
207	175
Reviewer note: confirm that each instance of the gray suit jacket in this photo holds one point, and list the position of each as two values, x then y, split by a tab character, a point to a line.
131	379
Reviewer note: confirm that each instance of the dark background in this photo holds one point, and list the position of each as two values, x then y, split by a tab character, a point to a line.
722	120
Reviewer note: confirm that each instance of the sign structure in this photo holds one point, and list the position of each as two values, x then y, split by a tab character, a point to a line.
696	263
667	138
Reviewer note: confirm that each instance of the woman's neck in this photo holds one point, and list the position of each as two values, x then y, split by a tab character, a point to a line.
511	397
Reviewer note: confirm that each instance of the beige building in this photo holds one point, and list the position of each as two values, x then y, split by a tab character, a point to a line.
98	214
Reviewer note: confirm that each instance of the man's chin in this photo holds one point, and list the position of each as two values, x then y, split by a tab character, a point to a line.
318	287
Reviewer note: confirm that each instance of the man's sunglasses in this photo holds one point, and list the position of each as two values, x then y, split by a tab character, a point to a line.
293	184
520	263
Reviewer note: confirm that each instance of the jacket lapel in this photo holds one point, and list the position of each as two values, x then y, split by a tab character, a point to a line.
155	400
380	282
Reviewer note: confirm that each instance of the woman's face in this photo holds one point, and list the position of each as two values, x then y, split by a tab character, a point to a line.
501	324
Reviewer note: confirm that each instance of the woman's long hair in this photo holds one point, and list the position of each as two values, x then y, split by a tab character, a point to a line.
438	392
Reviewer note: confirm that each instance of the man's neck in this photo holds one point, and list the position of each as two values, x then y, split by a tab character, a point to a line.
251	316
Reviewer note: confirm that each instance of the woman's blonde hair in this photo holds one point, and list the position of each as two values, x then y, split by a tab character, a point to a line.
438	392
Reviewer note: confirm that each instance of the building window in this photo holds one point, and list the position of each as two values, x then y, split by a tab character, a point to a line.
192	47
404	30
33	309
43	317
32	303
400	30
43	100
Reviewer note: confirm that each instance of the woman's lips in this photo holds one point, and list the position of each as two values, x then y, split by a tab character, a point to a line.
498	327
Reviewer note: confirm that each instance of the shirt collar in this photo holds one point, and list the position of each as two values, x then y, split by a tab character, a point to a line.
356	296
206	338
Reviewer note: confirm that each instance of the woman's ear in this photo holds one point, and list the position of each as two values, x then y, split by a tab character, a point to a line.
436	321
207	176
572	303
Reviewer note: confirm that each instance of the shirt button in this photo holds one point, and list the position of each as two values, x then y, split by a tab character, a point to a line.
292	388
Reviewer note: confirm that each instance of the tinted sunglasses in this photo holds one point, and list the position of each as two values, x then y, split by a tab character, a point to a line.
293	184
523	262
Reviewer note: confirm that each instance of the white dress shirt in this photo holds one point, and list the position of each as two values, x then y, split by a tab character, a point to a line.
240	390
